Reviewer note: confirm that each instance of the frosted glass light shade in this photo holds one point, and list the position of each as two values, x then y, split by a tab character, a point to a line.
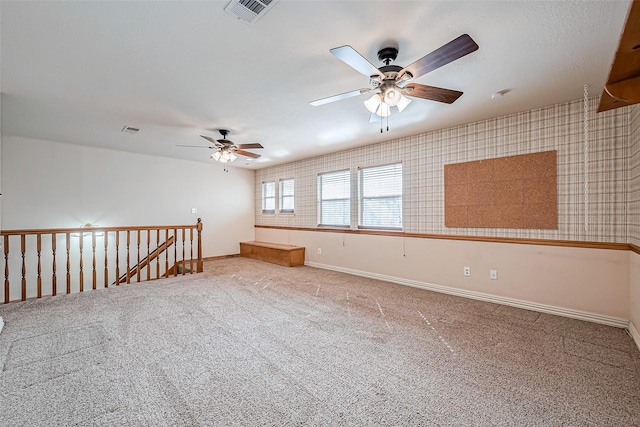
372	103
384	110
224	156
402	104
392	96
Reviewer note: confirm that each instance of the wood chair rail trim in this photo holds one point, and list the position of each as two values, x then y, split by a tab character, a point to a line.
512	240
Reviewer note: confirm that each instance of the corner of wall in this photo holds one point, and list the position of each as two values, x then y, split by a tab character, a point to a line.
634	334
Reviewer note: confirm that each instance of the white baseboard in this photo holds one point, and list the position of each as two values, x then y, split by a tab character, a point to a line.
1	324
544	308
634	334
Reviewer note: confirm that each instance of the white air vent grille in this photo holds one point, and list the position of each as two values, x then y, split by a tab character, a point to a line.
249	11
130	129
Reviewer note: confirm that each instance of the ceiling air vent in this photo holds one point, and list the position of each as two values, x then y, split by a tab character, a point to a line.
130	129
249	11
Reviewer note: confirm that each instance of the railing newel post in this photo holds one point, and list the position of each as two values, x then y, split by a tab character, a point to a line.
199	228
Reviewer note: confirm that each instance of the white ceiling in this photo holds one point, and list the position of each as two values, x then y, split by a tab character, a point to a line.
78	72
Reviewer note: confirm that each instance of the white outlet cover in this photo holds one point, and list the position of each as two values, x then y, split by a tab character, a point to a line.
319	251
467	271
493	274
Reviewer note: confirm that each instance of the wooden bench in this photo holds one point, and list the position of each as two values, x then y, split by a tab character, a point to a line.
286	255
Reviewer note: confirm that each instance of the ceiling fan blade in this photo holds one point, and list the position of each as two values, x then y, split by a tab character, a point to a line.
608	102
455	49
248	154
622	87
352	58
195	146
448	96
333	98
211	140
251	145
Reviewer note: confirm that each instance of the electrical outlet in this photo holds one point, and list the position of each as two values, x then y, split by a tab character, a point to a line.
194	210
467	271
319	251
493	274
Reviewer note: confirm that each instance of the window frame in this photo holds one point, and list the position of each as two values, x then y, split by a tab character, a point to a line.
282	195
265	198
362	199
348	199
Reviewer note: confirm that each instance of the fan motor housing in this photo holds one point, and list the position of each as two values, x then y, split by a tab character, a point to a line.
387	55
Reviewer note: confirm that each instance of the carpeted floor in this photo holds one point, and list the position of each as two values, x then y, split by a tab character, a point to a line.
248	343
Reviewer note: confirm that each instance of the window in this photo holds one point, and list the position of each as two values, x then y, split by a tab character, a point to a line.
334	195
286	196
269	197
380	197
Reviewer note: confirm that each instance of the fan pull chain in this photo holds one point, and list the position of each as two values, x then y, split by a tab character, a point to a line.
586	157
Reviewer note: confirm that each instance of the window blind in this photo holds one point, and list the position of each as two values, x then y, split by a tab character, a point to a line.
268	197
286	195
380	197
334	193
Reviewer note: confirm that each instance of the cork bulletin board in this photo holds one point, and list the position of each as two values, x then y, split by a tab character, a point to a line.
507	192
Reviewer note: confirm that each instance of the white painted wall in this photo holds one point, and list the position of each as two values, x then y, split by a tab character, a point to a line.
50	184
592	284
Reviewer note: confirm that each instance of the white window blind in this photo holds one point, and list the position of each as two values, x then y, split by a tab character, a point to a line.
334	194
286	195
380	197
269	197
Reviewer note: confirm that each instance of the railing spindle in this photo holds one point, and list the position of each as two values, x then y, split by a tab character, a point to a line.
128	257
138	267
6	269
80	246
191	249
158	257
175	252
68	236
106	263
93	252
117	258
148	252
166	254
54	278
23	249
39	277
183	239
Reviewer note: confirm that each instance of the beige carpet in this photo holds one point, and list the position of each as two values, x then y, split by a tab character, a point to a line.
249	343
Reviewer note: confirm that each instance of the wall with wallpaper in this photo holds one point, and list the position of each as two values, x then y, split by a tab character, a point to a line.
590	284
557	127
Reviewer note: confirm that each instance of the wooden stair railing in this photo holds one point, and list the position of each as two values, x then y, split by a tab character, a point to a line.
126	277
44	258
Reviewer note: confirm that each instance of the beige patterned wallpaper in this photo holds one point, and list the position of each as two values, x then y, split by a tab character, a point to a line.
633	201
557	127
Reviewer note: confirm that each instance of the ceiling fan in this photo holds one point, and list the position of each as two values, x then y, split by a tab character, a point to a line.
226	150
390	83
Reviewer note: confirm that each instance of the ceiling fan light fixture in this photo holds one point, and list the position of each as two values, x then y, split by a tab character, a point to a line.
392	96
383	110
216	156
402	104
373	103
